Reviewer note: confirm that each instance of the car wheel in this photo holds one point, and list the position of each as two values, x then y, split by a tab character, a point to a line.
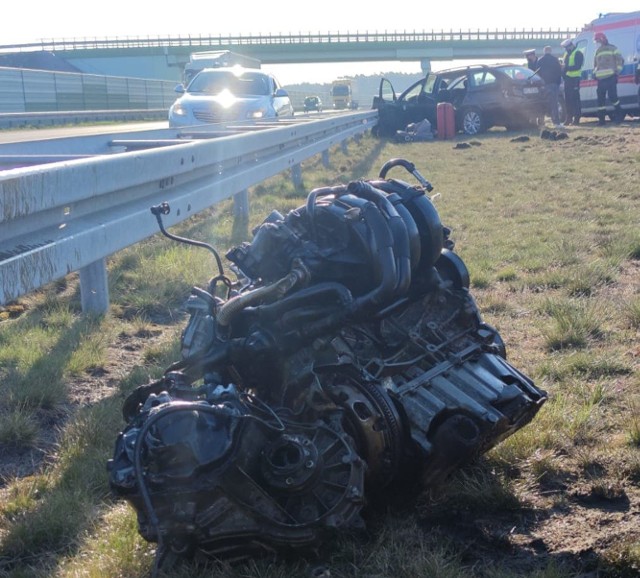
472	121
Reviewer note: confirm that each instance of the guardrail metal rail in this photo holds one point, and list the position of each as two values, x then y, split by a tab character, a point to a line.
70	216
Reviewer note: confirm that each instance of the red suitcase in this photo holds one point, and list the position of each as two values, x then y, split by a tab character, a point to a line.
445	121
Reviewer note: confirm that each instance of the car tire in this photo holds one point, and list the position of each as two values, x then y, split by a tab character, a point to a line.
472	121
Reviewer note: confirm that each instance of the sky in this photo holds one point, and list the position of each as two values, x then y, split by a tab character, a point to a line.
34	21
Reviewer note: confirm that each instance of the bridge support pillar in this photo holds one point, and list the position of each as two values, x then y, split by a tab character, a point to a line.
94	287
425	65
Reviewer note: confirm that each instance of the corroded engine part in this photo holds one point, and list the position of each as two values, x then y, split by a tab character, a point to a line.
233	478
448	377
348	349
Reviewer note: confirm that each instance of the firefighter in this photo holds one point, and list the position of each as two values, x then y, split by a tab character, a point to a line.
571	71
607	65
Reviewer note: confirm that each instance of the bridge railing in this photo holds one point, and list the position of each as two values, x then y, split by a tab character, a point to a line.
70	216
302	38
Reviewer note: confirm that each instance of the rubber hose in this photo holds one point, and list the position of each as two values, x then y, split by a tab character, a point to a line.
401	248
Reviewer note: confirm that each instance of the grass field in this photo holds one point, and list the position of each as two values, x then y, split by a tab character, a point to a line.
550	232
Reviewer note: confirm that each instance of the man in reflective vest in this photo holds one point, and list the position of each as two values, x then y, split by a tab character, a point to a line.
607	65
571	71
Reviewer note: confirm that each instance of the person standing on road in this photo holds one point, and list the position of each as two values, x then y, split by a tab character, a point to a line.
532	64
571	72
550	70
607	65
532	59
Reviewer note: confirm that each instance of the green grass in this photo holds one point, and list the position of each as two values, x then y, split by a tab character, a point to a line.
553	257
573	324
632	311
18	427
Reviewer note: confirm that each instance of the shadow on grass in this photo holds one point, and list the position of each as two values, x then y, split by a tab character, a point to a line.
481	518
60	515
365	166
42	385
47	512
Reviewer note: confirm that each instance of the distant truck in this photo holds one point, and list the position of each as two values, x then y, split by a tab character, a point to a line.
342	94
216	59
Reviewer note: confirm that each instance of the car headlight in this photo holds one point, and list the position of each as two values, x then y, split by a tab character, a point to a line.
178	110
256	114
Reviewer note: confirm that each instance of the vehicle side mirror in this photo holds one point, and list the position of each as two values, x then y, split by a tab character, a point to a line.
281	92
179	88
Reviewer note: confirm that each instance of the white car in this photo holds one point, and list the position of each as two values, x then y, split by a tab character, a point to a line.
229	94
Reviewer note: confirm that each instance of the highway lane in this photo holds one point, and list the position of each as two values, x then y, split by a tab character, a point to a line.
30	134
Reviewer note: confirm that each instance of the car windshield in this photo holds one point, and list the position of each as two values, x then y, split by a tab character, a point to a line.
482	78
517	72
340	90
216	81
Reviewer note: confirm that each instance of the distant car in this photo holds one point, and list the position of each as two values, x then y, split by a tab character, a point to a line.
483	96
312	103
229	94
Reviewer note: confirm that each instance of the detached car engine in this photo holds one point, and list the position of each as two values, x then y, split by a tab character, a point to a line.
347	349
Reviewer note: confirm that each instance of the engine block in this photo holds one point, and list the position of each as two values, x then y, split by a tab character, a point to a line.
348	348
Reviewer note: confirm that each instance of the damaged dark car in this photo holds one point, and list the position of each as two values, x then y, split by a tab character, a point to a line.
346	352
506	95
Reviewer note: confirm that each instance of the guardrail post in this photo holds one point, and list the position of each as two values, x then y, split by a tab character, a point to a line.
241	205
94	287
343	144
325	159
296	175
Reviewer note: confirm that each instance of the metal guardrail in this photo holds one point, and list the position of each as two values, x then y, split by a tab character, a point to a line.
70	216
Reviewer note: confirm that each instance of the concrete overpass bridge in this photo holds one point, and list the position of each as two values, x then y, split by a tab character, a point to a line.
164	57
